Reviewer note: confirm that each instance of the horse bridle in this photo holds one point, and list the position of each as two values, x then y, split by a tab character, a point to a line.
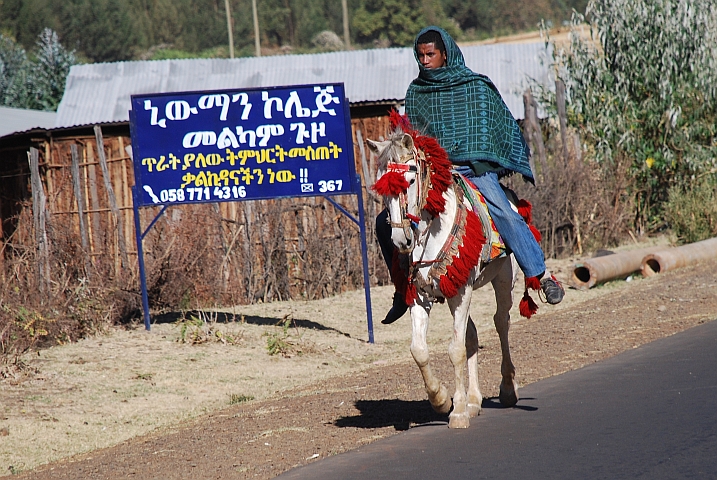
409	221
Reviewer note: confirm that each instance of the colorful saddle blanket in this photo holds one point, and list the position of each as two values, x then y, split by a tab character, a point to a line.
495	246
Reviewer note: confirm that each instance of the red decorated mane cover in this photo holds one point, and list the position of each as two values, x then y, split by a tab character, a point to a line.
471	242
437	158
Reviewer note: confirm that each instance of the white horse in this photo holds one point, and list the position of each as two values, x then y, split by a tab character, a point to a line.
429	236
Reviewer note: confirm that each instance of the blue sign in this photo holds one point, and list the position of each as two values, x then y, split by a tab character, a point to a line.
231	145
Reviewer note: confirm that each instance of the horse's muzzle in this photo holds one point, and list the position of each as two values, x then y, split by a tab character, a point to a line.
409	245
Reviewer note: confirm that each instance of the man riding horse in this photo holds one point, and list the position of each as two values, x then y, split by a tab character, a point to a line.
465	113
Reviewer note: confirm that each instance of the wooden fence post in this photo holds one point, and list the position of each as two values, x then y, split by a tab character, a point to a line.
111	196
368	181
91	193
79	196
562	116
39	215
536	134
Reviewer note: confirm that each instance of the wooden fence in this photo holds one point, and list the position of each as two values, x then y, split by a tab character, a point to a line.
234	252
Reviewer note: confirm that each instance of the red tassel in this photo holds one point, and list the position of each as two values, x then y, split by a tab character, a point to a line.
527	306
536	233
525	210
413	218
447	287
400	121
459	270
400	281
532	283
391	184
411	294
435	203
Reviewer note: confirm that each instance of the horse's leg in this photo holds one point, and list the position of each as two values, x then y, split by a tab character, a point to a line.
503	284
437	393
460	307
475	399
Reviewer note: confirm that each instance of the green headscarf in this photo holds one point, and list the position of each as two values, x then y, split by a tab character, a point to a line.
465	112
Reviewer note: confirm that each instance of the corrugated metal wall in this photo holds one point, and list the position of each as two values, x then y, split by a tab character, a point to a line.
99	93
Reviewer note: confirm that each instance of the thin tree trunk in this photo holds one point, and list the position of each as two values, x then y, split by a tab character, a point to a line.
257	40
347	36
230	30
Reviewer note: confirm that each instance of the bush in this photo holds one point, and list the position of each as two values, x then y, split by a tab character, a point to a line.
578	204
691	209
328	41
644	96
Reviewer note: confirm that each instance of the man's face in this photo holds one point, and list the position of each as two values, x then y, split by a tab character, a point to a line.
429	56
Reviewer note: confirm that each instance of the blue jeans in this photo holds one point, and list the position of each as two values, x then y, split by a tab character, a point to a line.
511	226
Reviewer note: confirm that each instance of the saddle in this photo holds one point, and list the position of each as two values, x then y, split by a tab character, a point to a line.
494	246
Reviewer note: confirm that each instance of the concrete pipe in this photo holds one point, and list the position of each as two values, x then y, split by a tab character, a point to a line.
588	273
676	257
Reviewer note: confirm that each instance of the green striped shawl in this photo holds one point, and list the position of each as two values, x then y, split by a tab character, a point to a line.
465	112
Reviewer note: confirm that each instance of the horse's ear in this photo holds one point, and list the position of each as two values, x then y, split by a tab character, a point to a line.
375	147
407	141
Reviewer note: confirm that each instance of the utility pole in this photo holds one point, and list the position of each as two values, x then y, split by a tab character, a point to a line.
230	30
347	37
257	42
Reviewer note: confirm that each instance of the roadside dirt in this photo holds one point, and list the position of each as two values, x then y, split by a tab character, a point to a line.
168	403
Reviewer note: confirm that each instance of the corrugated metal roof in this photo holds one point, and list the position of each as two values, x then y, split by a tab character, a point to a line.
14	120
101	92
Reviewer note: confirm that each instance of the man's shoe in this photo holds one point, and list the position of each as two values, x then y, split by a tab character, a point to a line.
552	289
397	310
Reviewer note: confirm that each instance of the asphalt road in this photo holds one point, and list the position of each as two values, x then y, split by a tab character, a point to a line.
649	413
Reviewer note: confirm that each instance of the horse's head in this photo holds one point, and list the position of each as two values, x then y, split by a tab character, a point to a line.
399	183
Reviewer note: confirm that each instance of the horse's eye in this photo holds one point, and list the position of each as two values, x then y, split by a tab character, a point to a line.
413	180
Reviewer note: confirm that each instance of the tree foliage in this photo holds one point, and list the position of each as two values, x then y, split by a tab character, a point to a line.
49	72
391	22
14	69
38	83
112	30
643	86
485	18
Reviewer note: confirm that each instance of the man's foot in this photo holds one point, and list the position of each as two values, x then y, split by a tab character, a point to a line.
397	310
552	289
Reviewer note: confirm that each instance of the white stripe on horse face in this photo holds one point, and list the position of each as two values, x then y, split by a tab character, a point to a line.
402	238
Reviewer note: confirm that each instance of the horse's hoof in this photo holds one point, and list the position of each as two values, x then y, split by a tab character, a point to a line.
444	407
442	403
459	420
508	398
474	409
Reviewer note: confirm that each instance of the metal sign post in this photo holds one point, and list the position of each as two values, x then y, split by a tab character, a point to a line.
244	144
